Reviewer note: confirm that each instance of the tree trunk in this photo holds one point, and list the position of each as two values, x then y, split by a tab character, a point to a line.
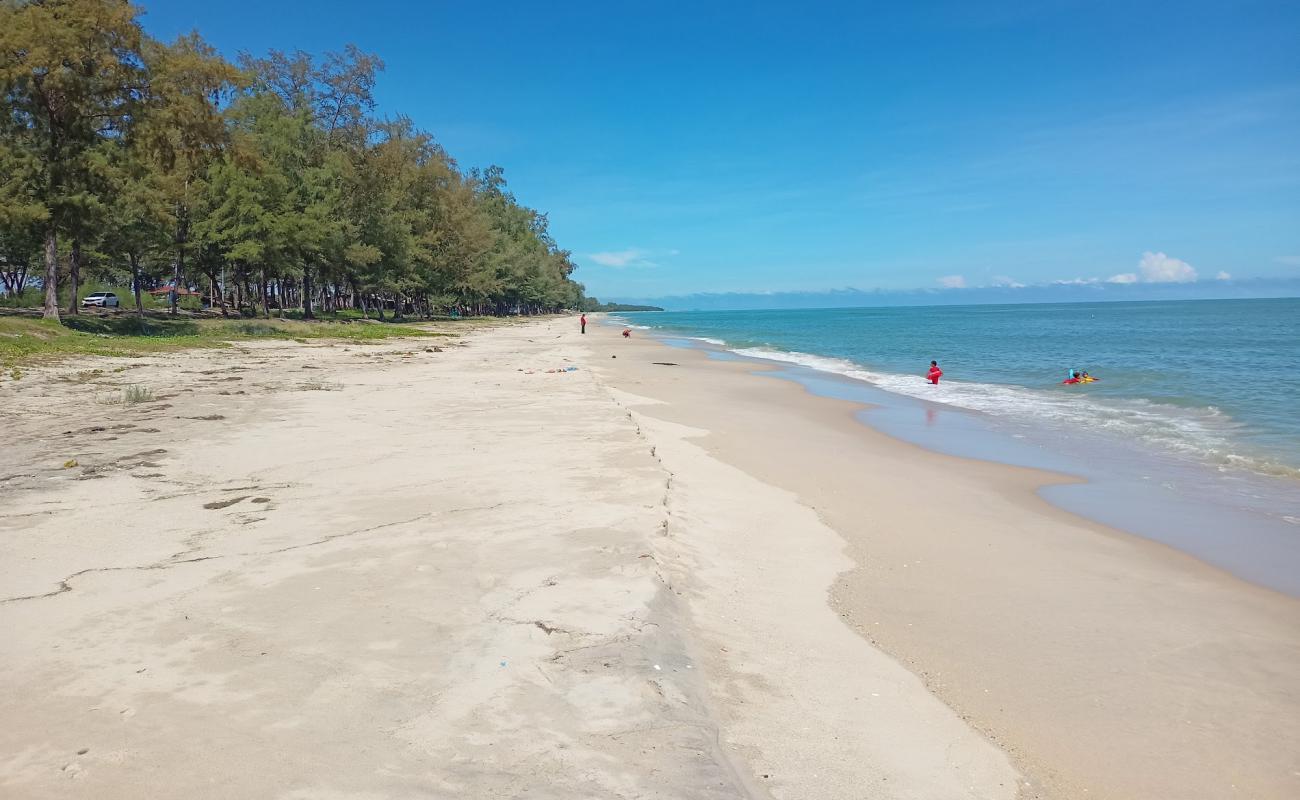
15	280
135	283
279	291
217	292
306	293
176	278
266	301
74	274
51	274
359	298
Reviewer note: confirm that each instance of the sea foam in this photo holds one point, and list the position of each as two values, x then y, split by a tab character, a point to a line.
1201	433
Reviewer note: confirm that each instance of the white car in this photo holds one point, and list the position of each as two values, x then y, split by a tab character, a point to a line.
101	299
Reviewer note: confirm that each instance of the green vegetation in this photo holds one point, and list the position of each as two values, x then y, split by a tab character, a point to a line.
26	339
31	299
268	187
592	304
137	394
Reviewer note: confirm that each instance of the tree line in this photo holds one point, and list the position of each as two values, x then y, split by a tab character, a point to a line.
130	159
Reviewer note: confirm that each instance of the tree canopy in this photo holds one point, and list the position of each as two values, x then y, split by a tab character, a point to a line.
268	184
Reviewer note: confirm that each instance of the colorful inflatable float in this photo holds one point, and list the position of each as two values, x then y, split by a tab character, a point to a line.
1079	377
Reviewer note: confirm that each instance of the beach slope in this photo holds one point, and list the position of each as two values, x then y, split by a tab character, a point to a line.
1104	664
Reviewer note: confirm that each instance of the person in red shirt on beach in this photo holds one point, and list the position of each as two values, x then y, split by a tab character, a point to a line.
935	373
582	322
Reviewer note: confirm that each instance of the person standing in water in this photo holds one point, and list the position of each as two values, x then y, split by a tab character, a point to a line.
582	323
935	373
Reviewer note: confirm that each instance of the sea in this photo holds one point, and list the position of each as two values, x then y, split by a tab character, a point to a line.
1190	436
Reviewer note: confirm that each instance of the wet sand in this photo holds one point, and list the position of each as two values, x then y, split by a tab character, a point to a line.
1103	664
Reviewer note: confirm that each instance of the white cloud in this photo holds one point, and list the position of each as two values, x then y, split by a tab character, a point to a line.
631	257
953	282
1223	276
1009	283
1152	268
1160	268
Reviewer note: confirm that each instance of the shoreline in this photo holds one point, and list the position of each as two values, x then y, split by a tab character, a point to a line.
1123	600
1110	486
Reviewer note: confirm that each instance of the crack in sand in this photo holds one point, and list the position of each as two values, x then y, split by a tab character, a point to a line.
737	770
206	488
65	585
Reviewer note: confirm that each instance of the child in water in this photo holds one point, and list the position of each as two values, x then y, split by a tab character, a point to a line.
935	373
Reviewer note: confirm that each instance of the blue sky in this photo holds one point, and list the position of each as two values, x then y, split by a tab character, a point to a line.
756	147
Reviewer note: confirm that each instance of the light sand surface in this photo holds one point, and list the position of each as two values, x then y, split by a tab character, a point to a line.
377	571
1106	665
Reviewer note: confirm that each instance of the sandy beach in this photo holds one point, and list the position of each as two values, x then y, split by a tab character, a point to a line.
451	568
1102	664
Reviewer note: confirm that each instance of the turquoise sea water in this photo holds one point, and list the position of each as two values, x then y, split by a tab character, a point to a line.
1214	381
1191	437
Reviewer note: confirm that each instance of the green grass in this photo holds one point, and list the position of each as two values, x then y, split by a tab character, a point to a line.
352	314
26	339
